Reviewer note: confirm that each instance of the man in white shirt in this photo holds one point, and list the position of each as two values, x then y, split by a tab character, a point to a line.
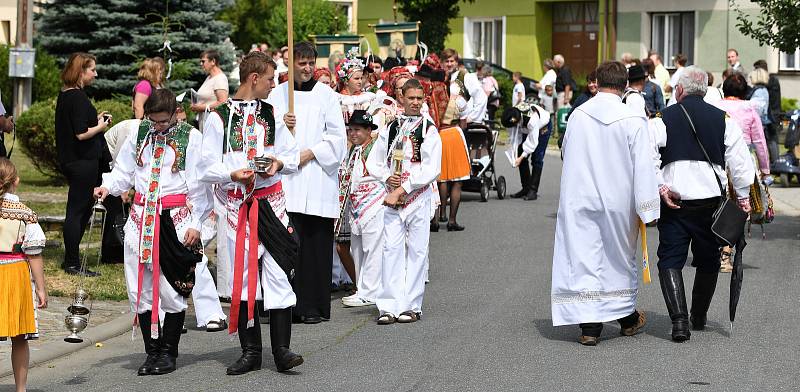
661	74
680	62
633	94
733	60
690	186
312	193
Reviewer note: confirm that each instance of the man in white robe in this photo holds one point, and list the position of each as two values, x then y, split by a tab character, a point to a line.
603	197
312	193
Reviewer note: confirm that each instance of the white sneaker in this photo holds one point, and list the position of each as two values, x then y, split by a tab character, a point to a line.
355	301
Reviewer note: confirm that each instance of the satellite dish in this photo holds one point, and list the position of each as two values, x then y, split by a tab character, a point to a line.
397	48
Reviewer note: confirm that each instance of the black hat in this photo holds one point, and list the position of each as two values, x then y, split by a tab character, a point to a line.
361	117
636	72
511	117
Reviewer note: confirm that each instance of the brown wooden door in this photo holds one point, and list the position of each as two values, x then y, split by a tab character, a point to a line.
576	34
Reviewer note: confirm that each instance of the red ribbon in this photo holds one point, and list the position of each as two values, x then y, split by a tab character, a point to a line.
248	218
169	201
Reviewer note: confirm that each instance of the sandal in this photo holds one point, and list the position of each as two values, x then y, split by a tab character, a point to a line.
386	319
408	317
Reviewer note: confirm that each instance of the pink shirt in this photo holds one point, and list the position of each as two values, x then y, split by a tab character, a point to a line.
143	87
748	119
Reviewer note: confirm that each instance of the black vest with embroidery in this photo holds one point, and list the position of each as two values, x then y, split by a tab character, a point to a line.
417	137
709	122
264	116
177	138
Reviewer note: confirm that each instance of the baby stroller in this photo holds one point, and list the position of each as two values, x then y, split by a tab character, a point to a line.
481	141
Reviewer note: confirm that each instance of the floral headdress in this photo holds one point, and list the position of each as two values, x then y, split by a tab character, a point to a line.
350	64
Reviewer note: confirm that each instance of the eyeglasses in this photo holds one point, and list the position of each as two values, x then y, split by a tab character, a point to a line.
162	122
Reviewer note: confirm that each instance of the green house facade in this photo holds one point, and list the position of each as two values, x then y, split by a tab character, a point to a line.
521	34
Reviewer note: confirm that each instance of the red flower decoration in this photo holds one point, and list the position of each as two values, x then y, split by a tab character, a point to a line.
250	120
146	254
159	152
251	153
149	220
148	238
153	186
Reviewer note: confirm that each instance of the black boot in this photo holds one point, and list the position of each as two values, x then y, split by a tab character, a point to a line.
280	334
151	346
171	337
533	188
704	286
524	178
250	340
675	298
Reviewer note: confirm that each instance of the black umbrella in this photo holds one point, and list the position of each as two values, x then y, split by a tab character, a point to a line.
736	279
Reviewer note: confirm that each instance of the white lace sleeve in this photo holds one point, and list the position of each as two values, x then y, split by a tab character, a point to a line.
33	244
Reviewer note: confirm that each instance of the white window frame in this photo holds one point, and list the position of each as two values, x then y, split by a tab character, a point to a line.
469	51
667	57
350	6
784	67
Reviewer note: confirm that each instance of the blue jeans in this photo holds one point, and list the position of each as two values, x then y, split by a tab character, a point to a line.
538	154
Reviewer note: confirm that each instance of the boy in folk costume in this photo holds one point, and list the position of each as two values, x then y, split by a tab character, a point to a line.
526	123
162	236
239	134
407	158
364	194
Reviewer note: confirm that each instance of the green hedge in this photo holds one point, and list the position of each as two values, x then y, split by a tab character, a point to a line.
36	132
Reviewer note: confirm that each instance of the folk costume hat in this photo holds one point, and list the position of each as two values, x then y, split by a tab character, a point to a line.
432	68
361	117
392	76
350	65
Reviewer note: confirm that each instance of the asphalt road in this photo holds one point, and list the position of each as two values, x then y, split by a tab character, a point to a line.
486	327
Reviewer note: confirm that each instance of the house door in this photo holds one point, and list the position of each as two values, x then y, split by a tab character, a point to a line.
576	34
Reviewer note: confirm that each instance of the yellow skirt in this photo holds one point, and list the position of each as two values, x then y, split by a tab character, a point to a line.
455	157
17	313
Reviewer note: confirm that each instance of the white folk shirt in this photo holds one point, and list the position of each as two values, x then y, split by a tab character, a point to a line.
602	198
694	180
314	188
420	175
220	161
475	110
128	174
635	100
528	135
366	195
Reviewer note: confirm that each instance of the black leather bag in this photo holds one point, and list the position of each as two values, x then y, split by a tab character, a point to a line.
729	219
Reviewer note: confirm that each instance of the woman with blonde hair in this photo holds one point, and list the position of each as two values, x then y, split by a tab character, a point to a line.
759	95
151	77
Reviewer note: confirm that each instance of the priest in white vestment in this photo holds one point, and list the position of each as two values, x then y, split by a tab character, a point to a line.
603	197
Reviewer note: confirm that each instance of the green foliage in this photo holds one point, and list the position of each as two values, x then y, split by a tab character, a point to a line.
776	24
311	17
36	132
434	15
507	92
788	104
46	83
121	32
249	19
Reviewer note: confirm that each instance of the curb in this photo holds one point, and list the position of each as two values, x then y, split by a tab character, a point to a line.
57	349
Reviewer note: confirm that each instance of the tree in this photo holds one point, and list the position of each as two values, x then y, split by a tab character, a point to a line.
123	32
434	16
776	25
258	21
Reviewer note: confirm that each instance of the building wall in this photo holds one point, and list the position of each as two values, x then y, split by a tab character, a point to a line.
8	22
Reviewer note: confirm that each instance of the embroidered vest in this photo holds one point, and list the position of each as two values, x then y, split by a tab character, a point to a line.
417	137
264	116
178	139
13	218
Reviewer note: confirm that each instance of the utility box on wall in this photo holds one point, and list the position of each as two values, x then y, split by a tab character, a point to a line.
21	62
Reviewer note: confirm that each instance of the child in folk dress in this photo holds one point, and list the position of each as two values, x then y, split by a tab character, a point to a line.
22	288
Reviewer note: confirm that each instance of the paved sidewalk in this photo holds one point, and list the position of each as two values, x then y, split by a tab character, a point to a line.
108	319
786	201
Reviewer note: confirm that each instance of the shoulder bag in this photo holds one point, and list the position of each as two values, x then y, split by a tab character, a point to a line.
729	219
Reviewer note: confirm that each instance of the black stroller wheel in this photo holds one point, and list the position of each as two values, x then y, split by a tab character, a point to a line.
484	191
501	187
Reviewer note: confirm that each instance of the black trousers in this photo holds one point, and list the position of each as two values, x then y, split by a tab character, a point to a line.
313	273
82	176
112	252
524	169
595	329
688	226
